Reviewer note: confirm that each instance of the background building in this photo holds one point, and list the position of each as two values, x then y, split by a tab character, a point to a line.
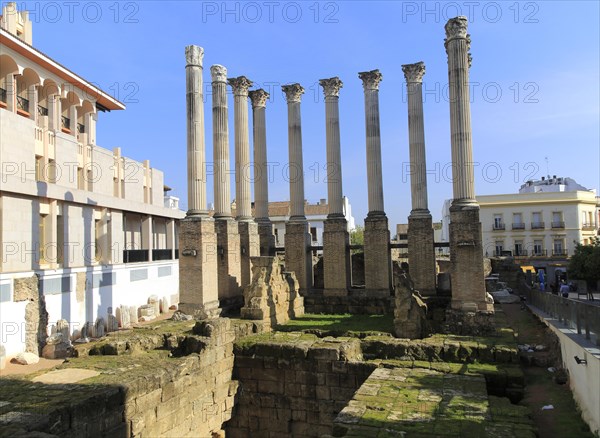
91	223
540	225
279	213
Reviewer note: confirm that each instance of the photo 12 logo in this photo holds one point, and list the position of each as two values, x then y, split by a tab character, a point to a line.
270	12
73	11
489	12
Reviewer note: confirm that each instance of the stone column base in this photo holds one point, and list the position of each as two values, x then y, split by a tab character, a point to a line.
466	260
298	258
336	257
249	245
378	260
266	238
229	262
198	280
421	253
462	323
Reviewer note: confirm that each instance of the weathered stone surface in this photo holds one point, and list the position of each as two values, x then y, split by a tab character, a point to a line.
133	314
112	325
154	301
56	351
164	305
99	328
147	312
273	296
36	316
26	358
123	317
410	315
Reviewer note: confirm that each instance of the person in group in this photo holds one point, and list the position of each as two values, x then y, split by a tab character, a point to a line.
564	289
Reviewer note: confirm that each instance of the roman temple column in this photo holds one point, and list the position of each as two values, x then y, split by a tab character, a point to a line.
298	257
261	175
378	262
336	239
197	239
228	236
467	272
421	250
247	227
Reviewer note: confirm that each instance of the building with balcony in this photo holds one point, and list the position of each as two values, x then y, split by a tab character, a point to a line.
89	222
540	225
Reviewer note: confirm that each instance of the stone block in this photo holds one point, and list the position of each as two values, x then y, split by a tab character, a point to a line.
298	258
378	262
421	253
336	257
198	281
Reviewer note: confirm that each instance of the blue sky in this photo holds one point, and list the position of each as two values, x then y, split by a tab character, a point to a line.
535	83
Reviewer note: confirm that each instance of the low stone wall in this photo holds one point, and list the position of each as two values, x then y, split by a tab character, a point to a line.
183	389
356	302
295	388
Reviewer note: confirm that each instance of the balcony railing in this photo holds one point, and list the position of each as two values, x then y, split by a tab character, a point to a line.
65	123
539	253
80	128
520	253
162	254
498	227
559	252
519	226
537	225
135	255
22	104
558	224
588	226
42	111
3	95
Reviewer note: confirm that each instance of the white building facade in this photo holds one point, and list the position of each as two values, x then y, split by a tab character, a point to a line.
89	222
316	214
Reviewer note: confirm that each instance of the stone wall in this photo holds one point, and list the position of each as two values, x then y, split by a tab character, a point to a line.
140	393
357	302
294	389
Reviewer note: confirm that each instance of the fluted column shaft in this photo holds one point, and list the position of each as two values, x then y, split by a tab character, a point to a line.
240	87
222	178
457	47
416	137
371	81
296	168
196	169
261	177
331	89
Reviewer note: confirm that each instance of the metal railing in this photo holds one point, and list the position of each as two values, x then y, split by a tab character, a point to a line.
80	128
162	254
135	255
558	224
539	253
42	111
498	227
560	252
538	225
22	104
519	226
587	226
577	315
3	95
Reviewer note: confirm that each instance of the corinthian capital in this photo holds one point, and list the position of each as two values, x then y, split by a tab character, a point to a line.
331	86
456	28
218	73
194	55
259	98
414	72
293	92
240	85
371	79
